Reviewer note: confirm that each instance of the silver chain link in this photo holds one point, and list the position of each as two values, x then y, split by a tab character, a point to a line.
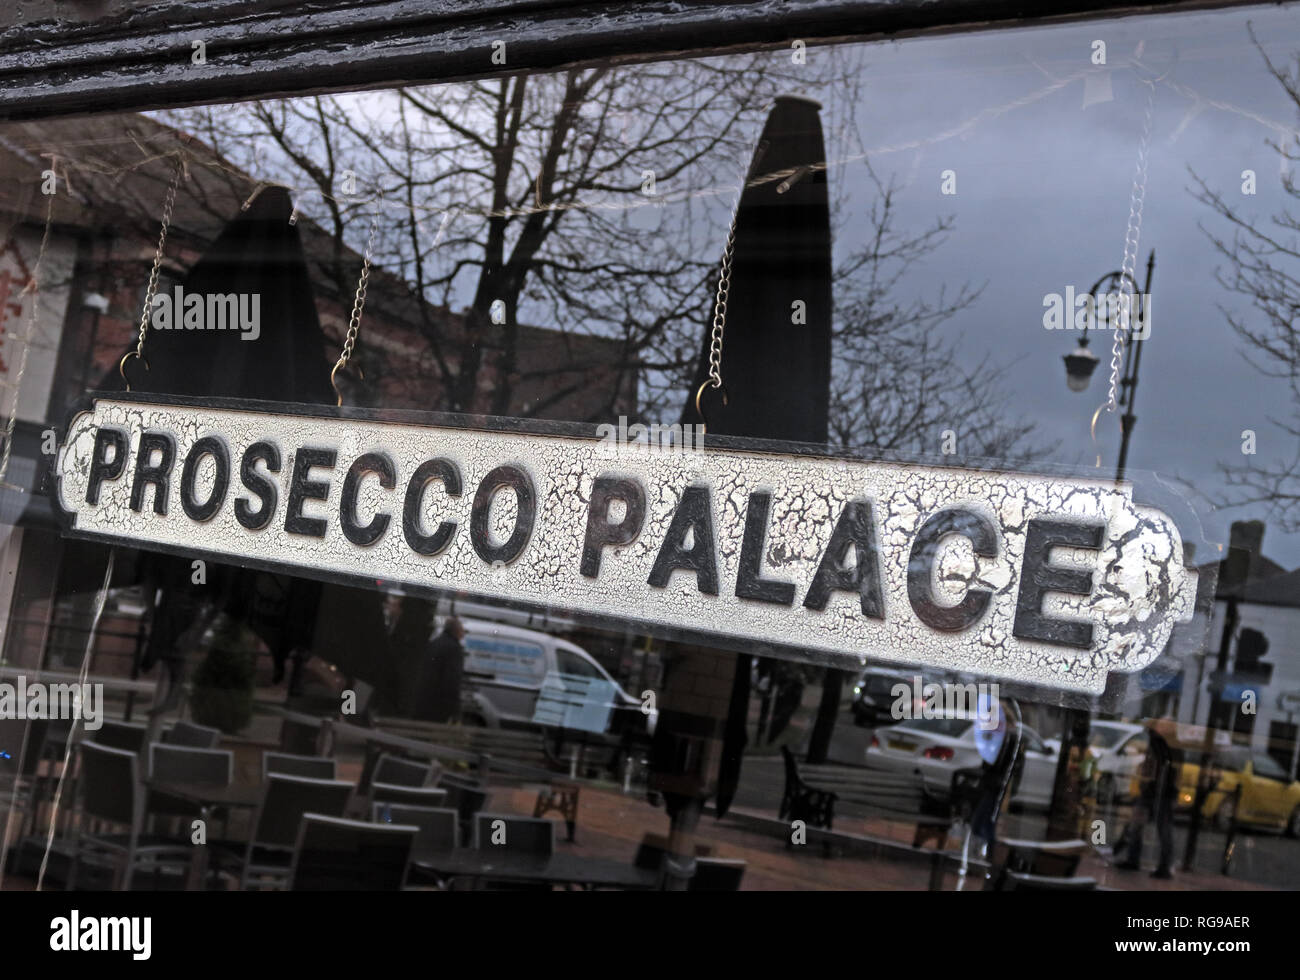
1128	268
168	205
720	302
358	305
720	314
724	283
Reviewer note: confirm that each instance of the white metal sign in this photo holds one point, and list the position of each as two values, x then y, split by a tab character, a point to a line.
1029	578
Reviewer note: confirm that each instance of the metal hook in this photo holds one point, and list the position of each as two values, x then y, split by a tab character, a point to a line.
338	394
121	365
253	196
793	179
262	185
1093	430
708	383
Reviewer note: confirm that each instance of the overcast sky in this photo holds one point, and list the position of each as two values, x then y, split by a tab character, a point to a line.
1042	202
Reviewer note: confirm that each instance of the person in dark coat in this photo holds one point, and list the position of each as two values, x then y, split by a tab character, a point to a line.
1159	792
438	689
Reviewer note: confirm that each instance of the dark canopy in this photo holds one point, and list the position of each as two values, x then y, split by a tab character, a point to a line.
776	354
258	253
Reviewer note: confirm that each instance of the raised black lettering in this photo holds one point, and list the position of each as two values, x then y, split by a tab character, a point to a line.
381	464
147	472
694	516
216	448
920	569
480	534
264	489
101	466
301	489
750	583
1037	578
601	533
428	471
855	529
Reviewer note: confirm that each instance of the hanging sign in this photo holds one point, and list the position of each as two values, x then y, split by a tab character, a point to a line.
1038	579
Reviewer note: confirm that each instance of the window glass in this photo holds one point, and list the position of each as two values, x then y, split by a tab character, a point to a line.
508	660
1233	760
510	285
1266	767
571	663
1105	737
1135	746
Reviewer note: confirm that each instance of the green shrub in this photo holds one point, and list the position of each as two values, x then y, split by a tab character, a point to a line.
222	687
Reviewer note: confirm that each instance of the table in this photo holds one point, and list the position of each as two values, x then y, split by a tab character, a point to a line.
555	869
207	797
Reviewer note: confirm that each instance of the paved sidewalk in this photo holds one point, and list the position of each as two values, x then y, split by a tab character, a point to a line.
612	825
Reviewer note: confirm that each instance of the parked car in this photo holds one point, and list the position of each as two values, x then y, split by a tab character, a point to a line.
873	697
508	668
939	748
1269	797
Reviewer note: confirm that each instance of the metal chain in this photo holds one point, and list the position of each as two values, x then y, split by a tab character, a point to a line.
720	312
720	302
168	204
1131	236
358	304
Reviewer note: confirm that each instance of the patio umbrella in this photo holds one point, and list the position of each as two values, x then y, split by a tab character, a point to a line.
258	254
776	355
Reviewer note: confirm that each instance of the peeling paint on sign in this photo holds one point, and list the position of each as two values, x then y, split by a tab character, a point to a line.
1027	578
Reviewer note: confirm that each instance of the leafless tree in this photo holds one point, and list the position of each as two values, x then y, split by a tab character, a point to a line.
1263	264
594	202
583	201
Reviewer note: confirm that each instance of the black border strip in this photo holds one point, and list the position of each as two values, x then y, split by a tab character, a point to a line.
584	430
139	58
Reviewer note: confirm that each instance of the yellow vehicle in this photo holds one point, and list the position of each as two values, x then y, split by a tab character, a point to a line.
1267	798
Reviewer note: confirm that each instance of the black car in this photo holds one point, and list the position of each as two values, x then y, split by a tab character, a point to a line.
874	697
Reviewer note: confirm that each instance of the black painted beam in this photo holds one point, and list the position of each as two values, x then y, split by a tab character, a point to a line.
139	56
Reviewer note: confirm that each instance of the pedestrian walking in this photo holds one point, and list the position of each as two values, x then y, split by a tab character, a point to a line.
439	687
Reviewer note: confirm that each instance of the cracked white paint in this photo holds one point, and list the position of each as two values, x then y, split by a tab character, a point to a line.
1140	585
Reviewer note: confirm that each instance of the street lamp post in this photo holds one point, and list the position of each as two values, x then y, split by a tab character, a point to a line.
1128	381
1079	366
1081	362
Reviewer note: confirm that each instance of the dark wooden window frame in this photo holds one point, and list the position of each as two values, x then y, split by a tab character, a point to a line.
138	56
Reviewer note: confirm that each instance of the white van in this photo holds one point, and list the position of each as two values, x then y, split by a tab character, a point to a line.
516	676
